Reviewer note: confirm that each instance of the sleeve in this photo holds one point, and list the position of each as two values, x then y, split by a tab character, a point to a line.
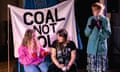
87	30
23	56
43	53
106	31
54	44
72	45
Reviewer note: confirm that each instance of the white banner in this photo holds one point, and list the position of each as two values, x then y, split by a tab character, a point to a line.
46	22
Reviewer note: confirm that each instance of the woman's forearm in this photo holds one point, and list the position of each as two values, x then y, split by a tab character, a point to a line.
73	57
55	60
53	56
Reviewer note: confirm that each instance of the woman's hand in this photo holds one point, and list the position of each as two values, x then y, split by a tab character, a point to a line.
55	61
68	67
72	60
60	66
34	54
44	53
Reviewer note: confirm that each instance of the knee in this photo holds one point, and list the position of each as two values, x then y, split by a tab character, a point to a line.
43	67
31	69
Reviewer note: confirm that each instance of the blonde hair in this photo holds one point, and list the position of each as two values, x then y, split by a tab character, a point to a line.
28	36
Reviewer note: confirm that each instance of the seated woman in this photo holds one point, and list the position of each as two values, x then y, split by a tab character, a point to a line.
31	54
63	54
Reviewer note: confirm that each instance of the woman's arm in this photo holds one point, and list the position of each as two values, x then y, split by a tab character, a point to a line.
106	31
72	60
88	30
53	57
23	56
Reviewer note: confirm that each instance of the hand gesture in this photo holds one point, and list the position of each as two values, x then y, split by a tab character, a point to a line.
34	54
99	24
60	66
93	23
68	67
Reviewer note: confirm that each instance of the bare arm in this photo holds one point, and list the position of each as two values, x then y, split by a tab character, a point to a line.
53	57
72	60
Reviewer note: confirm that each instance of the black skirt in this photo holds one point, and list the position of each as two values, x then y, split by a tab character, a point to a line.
54	68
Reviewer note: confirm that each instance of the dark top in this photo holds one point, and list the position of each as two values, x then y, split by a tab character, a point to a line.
63	55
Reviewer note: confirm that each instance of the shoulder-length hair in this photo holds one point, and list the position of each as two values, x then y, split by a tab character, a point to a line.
28	36
63	33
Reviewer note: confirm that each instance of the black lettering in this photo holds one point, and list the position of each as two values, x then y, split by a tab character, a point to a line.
38	30
53	26
45	29
56	16
39	21
45	41
49	43
25	18
49	16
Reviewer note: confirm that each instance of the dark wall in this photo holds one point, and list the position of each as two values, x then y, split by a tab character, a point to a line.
4	29
3	41
112	6
114	43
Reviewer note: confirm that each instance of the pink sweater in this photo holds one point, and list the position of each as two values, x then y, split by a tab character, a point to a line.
26	57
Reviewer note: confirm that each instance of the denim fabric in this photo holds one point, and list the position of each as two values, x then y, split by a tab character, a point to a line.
42	67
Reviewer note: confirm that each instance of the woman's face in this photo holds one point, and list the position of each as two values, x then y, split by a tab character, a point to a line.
97	12
60	38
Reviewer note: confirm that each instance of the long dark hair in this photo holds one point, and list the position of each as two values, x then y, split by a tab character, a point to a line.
62	33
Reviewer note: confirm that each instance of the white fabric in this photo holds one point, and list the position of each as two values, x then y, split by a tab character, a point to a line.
64	10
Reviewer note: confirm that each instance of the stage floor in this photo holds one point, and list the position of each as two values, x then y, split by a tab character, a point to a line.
4	67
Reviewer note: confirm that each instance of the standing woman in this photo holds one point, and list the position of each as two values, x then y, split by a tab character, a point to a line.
98	31
63	54
31	54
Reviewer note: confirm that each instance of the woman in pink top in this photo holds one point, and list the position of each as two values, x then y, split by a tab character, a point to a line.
31	54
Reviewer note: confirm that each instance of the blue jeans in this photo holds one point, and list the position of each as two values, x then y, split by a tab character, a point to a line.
42	67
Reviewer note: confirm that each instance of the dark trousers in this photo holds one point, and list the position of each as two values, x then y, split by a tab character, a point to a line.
54	68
